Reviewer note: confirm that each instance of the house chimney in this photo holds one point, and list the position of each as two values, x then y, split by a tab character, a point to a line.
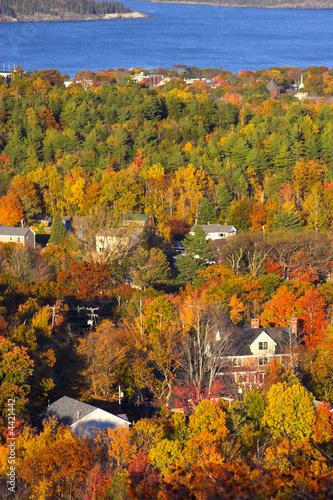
255	323
293	325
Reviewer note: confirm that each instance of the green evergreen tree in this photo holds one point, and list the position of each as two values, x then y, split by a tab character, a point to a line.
287	219
58	230
207	211
197	257
225	199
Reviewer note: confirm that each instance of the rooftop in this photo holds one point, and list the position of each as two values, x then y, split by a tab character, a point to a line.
242	337
66	410
215	228
14	231
271	86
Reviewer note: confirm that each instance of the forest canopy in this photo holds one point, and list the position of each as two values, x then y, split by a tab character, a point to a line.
110	314
14	8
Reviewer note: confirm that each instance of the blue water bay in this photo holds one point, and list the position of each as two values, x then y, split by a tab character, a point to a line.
195	35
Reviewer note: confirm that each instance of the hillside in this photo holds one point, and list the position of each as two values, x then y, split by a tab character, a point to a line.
62	10
127	309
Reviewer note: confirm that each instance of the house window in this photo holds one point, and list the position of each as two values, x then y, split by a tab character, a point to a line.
263	361
237	362
221	235
10	238
18	238
263	346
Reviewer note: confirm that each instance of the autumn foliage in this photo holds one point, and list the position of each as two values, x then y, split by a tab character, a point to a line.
11	210
82	320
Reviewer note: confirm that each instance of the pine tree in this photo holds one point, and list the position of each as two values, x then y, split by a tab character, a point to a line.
207	211
58	230
197	255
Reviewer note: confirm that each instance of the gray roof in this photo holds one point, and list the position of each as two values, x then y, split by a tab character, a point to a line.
215	228
271	86
14	231
242	337
66	410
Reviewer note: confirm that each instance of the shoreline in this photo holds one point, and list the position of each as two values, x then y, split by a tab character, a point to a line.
236	6
45	18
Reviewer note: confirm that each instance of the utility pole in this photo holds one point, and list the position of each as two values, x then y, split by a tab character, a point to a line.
120	395
92	315
78	308
54	316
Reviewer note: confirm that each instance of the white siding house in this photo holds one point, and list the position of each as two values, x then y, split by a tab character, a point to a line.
216	231
23	235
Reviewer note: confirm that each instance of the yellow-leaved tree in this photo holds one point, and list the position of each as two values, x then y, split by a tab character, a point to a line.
290	412
207	433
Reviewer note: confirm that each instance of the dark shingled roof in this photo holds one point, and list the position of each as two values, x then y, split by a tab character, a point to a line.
241	338
66	410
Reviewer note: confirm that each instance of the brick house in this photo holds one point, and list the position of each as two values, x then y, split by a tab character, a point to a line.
252	348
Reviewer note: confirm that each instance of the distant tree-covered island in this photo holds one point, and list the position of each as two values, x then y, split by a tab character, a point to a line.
63	10
268	4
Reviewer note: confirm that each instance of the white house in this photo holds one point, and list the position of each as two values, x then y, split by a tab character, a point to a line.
216	231
83	419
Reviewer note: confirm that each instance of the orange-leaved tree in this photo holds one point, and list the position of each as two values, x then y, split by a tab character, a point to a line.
15	368
280	308
323	427
85	280
311	310
54	463
237	310
11	210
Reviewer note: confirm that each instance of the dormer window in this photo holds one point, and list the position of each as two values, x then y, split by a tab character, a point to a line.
263	346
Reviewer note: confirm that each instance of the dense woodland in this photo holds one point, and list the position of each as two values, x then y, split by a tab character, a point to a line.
15	8
181	153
